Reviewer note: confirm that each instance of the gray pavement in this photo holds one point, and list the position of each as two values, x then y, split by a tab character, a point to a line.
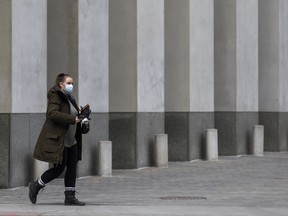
240	186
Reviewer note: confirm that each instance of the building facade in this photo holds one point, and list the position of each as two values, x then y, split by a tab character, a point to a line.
145	67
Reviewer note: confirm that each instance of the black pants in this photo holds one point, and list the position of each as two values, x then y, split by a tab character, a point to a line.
70	159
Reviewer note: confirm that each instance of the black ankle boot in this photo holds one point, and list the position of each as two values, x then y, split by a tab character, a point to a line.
70	199
34	188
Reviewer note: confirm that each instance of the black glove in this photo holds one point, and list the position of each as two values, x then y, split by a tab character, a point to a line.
85	112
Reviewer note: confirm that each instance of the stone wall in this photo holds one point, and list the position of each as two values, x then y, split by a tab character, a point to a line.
146	67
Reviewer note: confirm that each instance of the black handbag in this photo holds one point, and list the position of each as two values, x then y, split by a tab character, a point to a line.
85	114
85	126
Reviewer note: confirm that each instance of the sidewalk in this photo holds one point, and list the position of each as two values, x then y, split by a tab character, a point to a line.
240	186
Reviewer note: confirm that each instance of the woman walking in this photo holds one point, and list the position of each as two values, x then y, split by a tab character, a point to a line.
60	140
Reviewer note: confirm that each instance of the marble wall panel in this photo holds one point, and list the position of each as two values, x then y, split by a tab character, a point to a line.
20	165
122	133
225	55
201	55
177	55
270	122
29	56
283	50
283	131
5	56
123	56
148	125
269	56
198	123
5	150
150	55
62	41
177	128
247	55
93	54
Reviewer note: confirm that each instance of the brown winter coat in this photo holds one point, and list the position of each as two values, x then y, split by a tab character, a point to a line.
50	144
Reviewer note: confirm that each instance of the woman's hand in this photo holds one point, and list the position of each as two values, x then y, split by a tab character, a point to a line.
78	119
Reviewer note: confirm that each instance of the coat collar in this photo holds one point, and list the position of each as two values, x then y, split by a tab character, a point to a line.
56	89
65	97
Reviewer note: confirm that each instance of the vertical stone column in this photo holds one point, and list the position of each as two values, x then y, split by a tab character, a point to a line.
201	92
93	54
29	84
136	79
23	73
177	64
150	55
5	89
93	77
62	40
189	84
122	81
150	77
273	99
5	56
122	55
29	56
236	73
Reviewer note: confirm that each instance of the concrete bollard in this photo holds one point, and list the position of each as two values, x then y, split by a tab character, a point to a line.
258	140
39	168
105	158
211	144
161	150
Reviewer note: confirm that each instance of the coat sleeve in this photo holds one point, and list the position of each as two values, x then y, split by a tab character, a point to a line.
55	110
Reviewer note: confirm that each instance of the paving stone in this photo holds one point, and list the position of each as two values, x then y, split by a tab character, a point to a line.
244	185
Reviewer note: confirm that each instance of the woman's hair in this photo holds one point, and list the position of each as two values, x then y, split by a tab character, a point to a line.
61	78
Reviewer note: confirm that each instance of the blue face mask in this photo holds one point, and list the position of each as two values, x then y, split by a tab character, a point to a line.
69	88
